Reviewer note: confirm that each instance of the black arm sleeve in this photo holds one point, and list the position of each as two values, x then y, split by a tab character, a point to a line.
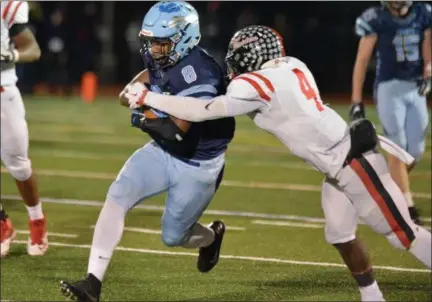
166	128
16	29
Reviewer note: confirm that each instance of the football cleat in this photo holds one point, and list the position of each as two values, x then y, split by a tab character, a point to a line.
7	235
209	255
86	290
38	241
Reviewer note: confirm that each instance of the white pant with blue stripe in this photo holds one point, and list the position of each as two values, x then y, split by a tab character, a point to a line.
150	171
403	114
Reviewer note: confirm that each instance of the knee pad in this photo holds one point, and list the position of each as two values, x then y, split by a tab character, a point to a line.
417	149
18	166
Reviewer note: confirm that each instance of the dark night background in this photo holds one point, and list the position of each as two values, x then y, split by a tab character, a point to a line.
76	37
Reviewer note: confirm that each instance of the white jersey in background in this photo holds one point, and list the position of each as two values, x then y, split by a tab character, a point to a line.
12	12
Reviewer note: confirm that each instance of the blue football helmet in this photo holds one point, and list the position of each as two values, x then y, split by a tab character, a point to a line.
174	27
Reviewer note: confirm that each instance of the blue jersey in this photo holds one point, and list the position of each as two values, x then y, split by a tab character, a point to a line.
400	40
196	75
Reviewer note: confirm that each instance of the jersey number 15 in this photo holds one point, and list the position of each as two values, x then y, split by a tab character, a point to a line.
407	48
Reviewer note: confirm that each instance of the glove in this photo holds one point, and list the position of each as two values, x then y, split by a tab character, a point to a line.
9	56
356	111
137	118
136	95
425	86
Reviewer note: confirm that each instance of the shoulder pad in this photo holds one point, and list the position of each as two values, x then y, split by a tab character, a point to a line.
368	22
196	70
426	15
16	12
251	86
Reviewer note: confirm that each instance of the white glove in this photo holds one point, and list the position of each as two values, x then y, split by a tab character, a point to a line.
136	95
9	56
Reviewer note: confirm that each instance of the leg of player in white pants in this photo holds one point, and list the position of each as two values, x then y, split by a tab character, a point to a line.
14	154
370	193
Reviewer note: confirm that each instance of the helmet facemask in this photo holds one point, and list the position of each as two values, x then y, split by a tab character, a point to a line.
161	50
401	7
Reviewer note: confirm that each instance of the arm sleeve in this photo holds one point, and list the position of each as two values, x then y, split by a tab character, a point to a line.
240	99
367	24
16	12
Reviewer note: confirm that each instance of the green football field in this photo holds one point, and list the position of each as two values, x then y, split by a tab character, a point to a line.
274	247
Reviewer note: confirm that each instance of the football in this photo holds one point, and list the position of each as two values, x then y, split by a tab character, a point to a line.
148	112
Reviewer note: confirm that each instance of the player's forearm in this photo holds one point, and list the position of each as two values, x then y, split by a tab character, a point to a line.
364	53
358	79
187	108
142	77
27	47
426	51
29	54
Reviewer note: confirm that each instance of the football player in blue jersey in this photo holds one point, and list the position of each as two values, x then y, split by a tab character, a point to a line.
400	31
185	159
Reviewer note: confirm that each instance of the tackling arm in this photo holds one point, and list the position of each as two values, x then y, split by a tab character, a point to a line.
198	110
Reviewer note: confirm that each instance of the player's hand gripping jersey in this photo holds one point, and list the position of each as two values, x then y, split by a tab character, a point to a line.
400	40
283	99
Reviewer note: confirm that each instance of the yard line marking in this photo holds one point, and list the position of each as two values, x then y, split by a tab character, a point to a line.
94	203
50	234
137	142
260	259
286	223
283	164
226	183
230	227
157	232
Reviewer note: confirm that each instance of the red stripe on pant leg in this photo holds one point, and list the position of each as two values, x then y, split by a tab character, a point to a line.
376	196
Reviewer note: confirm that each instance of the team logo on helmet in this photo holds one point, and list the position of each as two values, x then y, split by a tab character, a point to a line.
237	43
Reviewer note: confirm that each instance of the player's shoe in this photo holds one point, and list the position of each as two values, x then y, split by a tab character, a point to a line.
209	255
414	214
86	290
7	235
37	244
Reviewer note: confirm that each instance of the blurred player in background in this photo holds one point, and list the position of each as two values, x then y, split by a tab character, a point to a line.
401	33
281	96
14	131
185	159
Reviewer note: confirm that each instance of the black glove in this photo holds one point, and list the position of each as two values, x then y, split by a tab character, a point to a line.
425	86
137	118
356	111
8	56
